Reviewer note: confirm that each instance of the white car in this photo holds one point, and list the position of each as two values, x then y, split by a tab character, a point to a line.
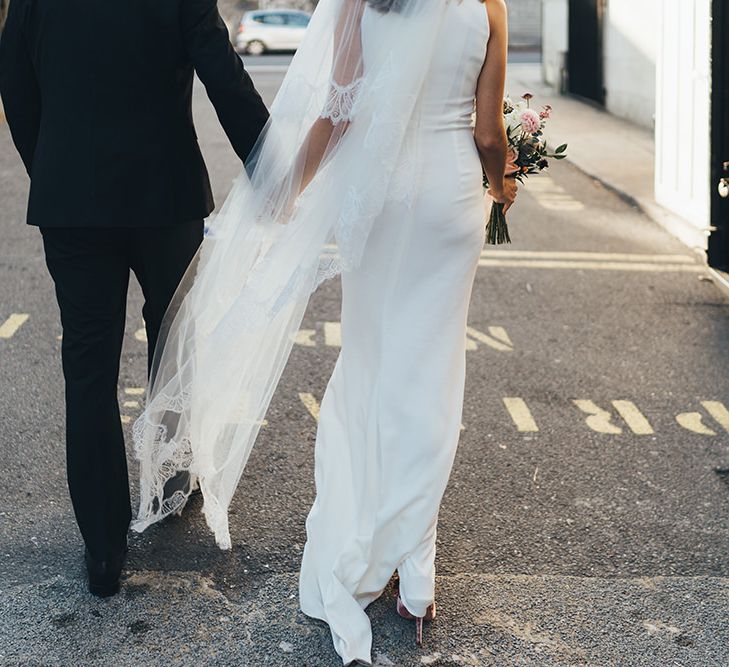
271	30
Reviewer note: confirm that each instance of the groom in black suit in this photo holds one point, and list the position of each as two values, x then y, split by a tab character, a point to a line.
97	94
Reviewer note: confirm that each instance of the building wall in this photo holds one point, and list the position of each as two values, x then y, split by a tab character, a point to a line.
657	73
554	39
630	42
629	51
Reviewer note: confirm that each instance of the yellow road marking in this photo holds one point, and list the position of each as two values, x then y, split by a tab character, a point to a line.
581	255
126	419
598	419
311	404
12	324
543	184
498	339
134	391
592	266
551	196
561	204
305	337
719	412
131	404
520	414
693	421
633	417
240	417
333	334
141	335
500	334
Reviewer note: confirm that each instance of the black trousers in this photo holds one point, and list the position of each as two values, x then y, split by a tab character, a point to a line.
90	268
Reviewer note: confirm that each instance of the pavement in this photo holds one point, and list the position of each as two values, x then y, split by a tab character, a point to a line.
585	522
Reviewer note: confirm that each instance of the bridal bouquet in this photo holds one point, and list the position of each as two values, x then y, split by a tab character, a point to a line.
527	154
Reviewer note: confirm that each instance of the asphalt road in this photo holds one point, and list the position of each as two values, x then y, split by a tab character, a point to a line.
586	518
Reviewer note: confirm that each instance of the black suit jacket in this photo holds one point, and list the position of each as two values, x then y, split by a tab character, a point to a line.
97	94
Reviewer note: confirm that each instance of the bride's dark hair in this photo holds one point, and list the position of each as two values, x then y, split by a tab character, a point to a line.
386	6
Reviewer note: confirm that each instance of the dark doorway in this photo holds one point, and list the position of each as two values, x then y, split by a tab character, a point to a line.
584	59
719	239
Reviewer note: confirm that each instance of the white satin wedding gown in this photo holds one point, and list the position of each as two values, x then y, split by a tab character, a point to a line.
390	417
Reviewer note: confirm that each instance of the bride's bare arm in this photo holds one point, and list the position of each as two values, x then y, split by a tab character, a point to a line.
490	133
328	129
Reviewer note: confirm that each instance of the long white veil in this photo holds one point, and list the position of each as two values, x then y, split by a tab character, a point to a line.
342	140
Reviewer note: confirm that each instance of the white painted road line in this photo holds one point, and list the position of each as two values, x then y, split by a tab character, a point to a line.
10	327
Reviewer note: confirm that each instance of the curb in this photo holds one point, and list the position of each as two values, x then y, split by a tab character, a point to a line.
721	279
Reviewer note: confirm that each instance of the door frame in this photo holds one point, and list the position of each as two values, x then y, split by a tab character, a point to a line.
718	252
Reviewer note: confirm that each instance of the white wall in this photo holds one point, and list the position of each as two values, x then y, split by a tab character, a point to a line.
657	56
554	39
630	43
683	155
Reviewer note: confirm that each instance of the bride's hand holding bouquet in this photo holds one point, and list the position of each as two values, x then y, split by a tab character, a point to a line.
526	154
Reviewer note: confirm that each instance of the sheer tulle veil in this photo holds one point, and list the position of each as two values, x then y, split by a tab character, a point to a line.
342	140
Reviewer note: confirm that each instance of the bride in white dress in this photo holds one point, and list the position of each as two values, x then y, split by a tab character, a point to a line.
375	171
390	417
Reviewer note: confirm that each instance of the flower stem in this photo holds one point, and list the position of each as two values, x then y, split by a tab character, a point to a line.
497	231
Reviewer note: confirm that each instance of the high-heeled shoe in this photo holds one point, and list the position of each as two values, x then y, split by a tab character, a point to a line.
429	616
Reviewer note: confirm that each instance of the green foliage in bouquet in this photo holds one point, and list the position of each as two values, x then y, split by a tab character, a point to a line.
527	154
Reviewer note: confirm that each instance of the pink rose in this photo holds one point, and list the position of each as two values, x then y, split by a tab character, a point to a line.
530	121
546	112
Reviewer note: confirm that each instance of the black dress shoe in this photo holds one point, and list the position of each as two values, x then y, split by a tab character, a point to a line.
104	574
